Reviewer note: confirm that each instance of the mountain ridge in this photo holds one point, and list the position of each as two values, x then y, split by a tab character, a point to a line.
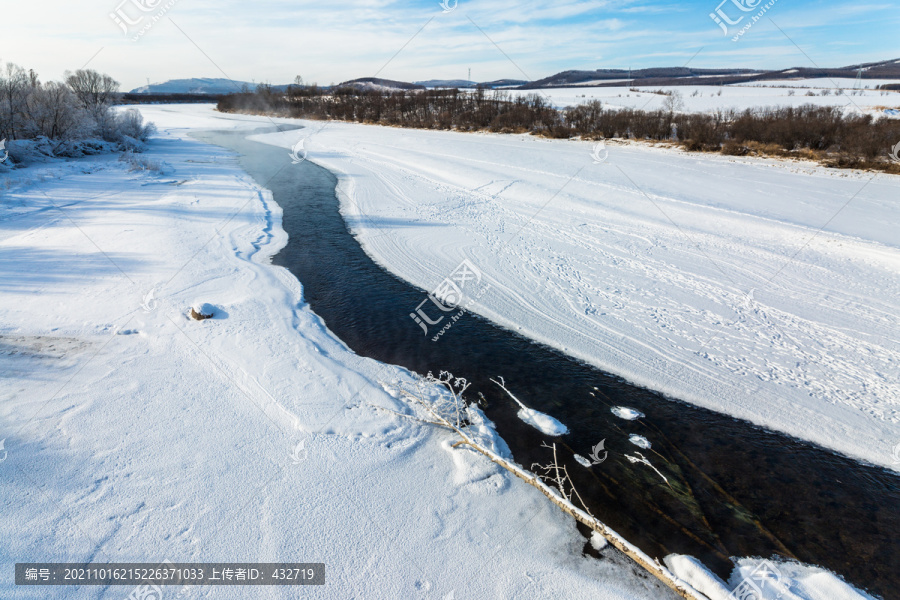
653	76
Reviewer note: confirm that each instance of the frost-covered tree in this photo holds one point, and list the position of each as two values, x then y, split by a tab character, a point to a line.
673	102
94	90
54	111
70	118
14	88
130	123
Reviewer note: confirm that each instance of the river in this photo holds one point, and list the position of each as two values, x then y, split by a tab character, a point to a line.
718	487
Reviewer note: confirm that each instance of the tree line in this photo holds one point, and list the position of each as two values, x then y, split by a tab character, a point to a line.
822	133
67	114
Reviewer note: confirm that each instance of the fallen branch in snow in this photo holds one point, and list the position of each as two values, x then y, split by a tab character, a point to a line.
447	412
561	478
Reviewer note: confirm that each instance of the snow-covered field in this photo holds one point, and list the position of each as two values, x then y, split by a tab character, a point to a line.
761	289
132	433
709	98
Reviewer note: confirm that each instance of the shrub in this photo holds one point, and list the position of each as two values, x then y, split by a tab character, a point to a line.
825	133
69	119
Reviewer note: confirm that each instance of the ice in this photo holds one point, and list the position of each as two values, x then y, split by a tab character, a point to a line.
540	421
765	580
642	265
701	579
583	461
639	441
248	438
629	414
260	402
543	423
701	98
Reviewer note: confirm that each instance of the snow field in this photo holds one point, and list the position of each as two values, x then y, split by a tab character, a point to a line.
134	433
764	289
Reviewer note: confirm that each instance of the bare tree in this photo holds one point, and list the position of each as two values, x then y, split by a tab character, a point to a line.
673	102
14	89
131	123
94	90
54	112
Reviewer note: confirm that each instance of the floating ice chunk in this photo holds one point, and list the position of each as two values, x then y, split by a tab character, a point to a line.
543	423
582	461
639	441
629	414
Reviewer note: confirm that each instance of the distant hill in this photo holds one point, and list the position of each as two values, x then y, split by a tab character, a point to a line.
376	83
657	76
197	86
601	77
465	83
888	69
503	83
446	83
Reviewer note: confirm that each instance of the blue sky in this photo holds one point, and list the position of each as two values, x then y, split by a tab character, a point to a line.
334	41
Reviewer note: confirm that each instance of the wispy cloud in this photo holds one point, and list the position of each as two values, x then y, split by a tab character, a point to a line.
330	42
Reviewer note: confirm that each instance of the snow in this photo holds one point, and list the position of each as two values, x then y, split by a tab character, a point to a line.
798	581
540	421
543	423
639	441
760	288
205	309
707	98
764	580
483	429
133	433
583	461
130	432
598	542
701	579
845	83
629	414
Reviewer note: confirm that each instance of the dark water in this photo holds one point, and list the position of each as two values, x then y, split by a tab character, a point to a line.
733	489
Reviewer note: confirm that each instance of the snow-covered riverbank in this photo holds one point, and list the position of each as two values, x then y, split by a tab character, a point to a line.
762	289
132	433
